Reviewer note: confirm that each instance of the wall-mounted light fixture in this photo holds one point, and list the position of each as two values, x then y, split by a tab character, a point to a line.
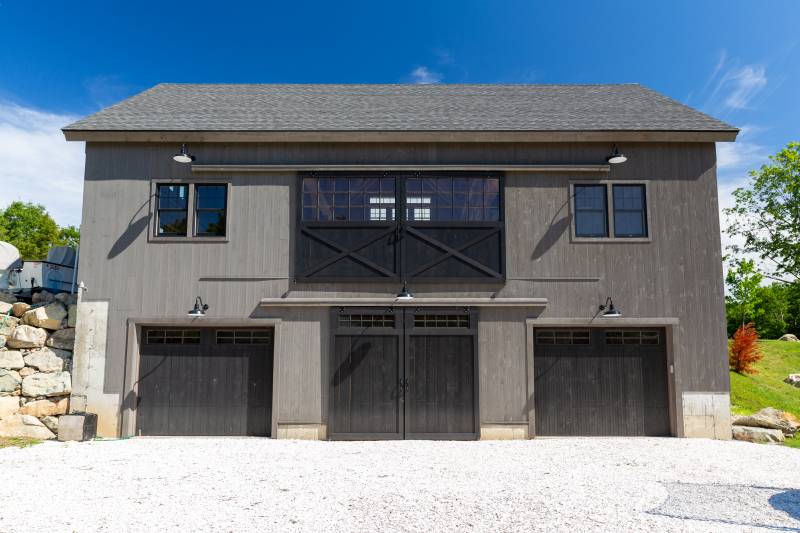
609	311
404	295
183	156
199	308
616	156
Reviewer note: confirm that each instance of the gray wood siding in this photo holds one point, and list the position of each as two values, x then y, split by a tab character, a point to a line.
677	274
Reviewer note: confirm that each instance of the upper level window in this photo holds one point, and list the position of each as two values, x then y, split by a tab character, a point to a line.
210	204
591	219
173	202
445	199
349	199
405	226
630	215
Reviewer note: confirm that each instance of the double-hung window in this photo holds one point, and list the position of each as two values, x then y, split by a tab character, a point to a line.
173	212
191	210
630	211
591	217
210	203
610	210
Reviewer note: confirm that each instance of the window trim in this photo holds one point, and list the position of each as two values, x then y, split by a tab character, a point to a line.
611	238
190	236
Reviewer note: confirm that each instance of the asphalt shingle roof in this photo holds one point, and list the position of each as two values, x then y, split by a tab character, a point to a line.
235	107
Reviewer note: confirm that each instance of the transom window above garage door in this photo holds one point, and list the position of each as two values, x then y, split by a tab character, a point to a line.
441	321
173	336
632	337
562	336
366	321
244	336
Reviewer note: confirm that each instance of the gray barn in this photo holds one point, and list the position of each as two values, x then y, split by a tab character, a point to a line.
396	261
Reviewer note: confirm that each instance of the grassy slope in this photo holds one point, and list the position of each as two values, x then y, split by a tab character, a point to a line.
20	442
749	393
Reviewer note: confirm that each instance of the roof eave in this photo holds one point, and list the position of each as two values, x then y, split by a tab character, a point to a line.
95	135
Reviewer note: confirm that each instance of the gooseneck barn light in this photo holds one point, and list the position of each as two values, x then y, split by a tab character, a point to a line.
199	308
616	156
183	156
609	311
404	295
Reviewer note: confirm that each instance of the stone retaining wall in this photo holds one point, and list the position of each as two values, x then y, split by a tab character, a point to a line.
36	343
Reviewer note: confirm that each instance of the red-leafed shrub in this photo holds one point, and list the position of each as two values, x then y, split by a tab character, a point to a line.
743	351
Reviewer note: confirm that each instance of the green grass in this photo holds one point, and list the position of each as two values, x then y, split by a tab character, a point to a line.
19	442
750	393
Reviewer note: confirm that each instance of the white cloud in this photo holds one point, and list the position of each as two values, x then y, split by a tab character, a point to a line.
743	85
425	76
742	155
38	165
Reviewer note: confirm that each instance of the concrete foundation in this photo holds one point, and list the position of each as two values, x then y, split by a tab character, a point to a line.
88	368
707	415
504	431
302	431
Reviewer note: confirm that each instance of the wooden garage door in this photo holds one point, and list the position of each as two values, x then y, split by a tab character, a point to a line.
601	382
403	373
195	381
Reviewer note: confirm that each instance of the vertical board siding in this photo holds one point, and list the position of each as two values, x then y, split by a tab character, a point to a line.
678	274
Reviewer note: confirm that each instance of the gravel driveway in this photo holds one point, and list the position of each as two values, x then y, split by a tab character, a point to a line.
258	484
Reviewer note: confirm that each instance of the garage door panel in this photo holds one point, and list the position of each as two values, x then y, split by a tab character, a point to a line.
585	385
202	387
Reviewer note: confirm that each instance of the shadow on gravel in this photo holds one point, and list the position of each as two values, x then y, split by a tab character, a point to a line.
787	501
749	506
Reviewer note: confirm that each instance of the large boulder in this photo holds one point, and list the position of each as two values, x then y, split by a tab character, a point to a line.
19	308
47	407
770	418
9	298
760	435
25	336
8	324
66	298
9	405
10	381
789	337
47	384
63	339
51	423
793	379
11	360
48	359
42	297
49	316
24	426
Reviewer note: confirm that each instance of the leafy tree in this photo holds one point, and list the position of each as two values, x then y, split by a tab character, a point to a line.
743	282
33	231
69	236
766	214
743	351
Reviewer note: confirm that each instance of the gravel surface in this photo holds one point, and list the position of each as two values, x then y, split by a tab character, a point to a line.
190	484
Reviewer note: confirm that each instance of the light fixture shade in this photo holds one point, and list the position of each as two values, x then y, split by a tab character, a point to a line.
199	308
183	156
609	311
404	295
616	156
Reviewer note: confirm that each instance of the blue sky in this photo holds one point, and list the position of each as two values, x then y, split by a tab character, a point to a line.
737	60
